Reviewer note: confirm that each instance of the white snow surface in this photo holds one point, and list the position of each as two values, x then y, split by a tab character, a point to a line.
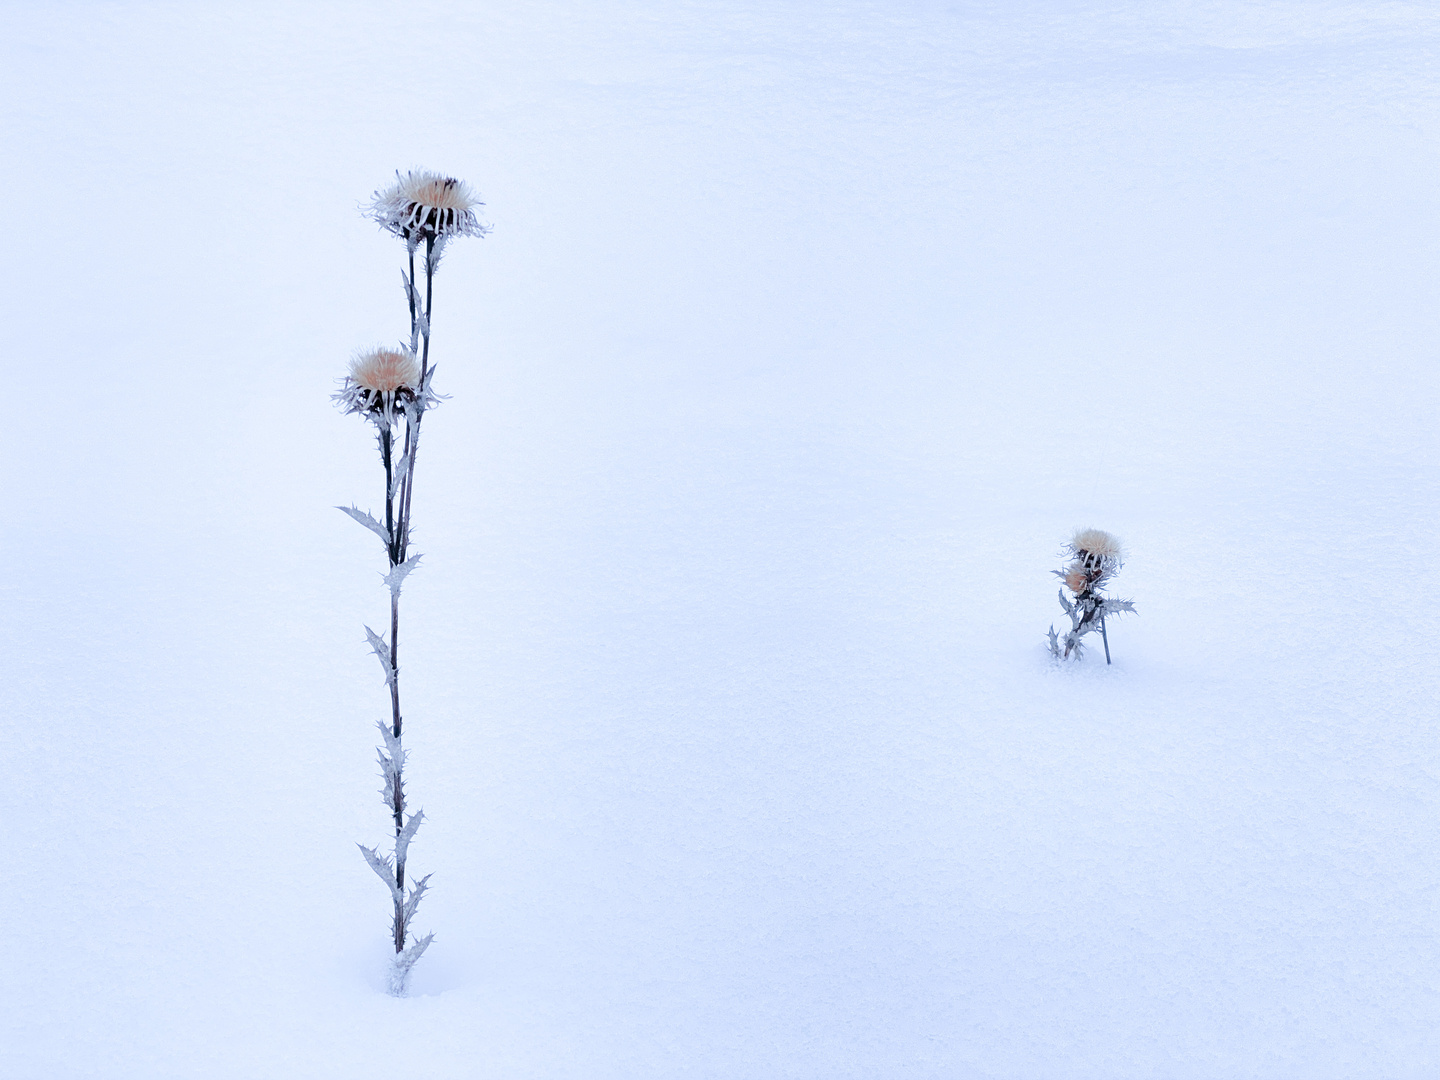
805	336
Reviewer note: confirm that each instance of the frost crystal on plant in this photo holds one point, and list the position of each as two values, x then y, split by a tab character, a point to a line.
421	205
400	972
1095	557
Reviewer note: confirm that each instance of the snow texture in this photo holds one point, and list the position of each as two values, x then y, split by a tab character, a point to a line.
805	334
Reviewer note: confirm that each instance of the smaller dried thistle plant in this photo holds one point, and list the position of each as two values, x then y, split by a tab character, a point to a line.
1094	558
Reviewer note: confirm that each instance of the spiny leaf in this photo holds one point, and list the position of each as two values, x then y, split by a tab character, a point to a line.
369	522
399	475
399	572
387	769
405	835
400	969
406	960
383	867
392	744
412	294
417	890
382	653
436	253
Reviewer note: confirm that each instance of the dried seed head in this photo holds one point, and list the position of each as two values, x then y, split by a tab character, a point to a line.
1098	543
1095	556
421	205
385	370
382	381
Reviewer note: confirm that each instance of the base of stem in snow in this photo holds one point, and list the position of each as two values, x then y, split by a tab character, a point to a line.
397	981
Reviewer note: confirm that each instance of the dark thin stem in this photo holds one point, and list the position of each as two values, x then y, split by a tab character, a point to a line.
398	791
397	520
412	428
402	545
387	440
395	724
1105	638
387	443
410	292
402	541
429	288
1081	617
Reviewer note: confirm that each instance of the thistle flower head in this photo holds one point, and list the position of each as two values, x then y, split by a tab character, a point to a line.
427	205
1096	542
1095	556
385	371
379	381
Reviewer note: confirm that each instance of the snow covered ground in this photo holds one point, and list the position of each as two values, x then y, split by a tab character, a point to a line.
805	335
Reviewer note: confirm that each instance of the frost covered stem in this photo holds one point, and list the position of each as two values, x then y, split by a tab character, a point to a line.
397	782
412	429
398	789
386	444
403	538
429	293
410	295
398	553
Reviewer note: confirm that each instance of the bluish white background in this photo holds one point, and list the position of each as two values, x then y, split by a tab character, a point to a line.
805	335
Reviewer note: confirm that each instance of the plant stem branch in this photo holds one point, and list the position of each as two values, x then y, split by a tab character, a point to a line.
412	428
387	443
402	544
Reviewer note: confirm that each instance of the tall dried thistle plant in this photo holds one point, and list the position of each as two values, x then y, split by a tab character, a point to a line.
391	388
1095	557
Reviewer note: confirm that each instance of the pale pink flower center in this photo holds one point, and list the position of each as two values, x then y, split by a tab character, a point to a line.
1096	542
385	371
443	194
